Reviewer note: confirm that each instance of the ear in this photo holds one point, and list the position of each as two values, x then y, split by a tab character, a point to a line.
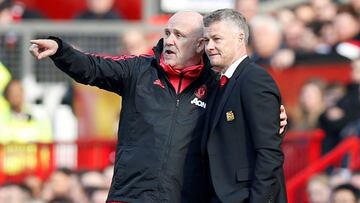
200	45
241	37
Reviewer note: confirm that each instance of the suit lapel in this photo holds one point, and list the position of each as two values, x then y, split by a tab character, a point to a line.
228	89
208	114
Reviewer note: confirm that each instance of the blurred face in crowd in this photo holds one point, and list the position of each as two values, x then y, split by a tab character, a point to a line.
15	95
346	26
224	44
14	194
263	29
344	196
100	6
60	183
135	42
318	192
311	97
182	40
248	8
305	13
325	10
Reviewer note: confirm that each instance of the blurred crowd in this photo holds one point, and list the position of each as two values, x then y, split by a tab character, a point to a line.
309	32
63	186
332	107
339	187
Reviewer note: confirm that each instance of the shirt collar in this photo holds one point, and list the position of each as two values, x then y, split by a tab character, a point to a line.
230	71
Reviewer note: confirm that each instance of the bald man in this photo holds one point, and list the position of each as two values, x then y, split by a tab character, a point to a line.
164	96
158	157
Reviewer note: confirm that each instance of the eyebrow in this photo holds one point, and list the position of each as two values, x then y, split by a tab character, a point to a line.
176	31
214	35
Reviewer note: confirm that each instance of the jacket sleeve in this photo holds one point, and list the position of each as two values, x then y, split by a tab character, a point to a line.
109	73
261	100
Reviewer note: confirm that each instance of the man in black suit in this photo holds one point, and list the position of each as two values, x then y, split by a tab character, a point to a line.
242	140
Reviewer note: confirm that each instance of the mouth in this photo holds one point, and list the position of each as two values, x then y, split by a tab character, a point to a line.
169	52
213	54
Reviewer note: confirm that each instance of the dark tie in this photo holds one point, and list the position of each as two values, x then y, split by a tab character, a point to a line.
223	81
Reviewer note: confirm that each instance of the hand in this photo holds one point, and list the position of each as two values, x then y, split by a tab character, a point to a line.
42	48
283	119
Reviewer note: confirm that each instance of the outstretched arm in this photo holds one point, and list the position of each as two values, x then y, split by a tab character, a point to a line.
109	73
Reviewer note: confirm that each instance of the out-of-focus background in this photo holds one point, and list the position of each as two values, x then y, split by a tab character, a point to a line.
58	138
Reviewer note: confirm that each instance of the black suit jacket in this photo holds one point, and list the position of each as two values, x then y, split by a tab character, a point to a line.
242	140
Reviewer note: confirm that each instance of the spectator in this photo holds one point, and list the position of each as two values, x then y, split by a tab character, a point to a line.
333	93
13	12
293	31
311	105
269	52
22	123
63	183
5	12
99	10
14	193
92	179
345	193
318	189
305	13
249	8
345	112
21	12
328	38
347	28
325	10
35	185
135	43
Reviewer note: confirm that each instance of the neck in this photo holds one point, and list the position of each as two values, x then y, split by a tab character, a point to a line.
192	62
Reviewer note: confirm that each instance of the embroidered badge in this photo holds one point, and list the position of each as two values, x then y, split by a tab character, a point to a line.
230	116
158	82
201	92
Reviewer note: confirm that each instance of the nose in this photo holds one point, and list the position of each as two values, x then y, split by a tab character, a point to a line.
209	45
169	40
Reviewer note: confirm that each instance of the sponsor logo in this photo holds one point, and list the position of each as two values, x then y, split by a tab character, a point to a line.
159	83
198	103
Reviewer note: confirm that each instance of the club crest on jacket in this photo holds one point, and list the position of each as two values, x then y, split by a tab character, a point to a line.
201	92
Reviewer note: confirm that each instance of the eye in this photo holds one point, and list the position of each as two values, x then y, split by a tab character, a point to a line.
216	39
167	33
178	35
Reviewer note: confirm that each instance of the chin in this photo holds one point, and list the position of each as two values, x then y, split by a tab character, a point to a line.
214	63
169	62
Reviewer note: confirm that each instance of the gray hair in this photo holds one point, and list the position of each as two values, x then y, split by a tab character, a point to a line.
228	15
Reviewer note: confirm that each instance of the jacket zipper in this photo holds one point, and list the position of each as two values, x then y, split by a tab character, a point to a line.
172	130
